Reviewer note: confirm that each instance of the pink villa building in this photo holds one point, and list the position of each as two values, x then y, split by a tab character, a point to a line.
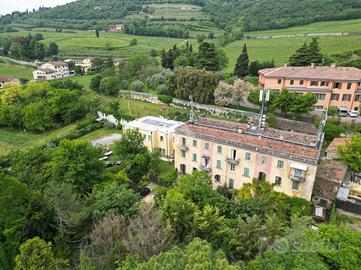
235	153
331	85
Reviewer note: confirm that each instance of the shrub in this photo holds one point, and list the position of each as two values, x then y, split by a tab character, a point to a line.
163	90
137	86
157	80
165	99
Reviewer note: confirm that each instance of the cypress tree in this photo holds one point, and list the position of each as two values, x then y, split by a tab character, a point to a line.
242	69
301	57
207	57
315	52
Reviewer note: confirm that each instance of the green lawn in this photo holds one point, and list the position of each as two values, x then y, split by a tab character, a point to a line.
142	108
100	133
320	27
11	70
12	139
280	49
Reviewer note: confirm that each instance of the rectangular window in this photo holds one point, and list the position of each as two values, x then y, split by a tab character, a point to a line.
324	83
194	143
292	82
337	85
279	81
320	96
184	141
314	83
219	149
298	172
263	160
161	138
194	157
278	181
246	172
230	183
280	164
349	86
335	96
219	164
301	82
295	185
234	154
346	97
206	146
357	98
247	156
217	178
233	167
183	154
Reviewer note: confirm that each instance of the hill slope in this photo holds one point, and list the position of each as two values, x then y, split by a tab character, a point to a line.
227	14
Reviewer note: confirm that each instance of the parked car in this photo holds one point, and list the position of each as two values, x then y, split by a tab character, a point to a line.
342	111
352	113
144	191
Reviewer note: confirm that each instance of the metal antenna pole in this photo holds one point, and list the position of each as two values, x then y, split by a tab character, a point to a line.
192	115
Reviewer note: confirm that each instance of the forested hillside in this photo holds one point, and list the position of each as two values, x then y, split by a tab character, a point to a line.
230	14
271	14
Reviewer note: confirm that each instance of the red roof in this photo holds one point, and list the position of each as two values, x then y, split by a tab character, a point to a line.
231	132
316	72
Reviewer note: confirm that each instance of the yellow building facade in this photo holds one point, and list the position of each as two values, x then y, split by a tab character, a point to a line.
158	133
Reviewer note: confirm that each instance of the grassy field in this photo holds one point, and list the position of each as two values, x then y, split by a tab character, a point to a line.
320	27
100	133
11	70
114	44
280	49
12	139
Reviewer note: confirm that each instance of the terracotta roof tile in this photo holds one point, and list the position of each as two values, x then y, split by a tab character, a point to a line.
231	132
317	72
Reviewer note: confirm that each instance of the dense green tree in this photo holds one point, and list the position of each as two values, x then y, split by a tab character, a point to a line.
97	33
198	83
39	51
307	54
198	254
36	254
302	104
110	85
53	49
350	153
207	57
95	82
241	67
181	215
125	204
77	163
37	116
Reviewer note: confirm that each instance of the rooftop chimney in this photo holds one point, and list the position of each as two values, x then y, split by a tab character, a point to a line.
312	65
333	65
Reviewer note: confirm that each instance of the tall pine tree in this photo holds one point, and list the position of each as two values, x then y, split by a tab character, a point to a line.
307	54
242	69
207	57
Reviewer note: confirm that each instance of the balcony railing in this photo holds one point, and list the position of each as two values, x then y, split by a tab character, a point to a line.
183	147
205	168
295	177
234	161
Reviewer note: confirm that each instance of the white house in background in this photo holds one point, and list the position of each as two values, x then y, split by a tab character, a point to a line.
51	71
85	64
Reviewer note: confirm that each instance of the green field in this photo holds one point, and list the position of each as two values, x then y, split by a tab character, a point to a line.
11	70
12	139
320	27
280	49
114	44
